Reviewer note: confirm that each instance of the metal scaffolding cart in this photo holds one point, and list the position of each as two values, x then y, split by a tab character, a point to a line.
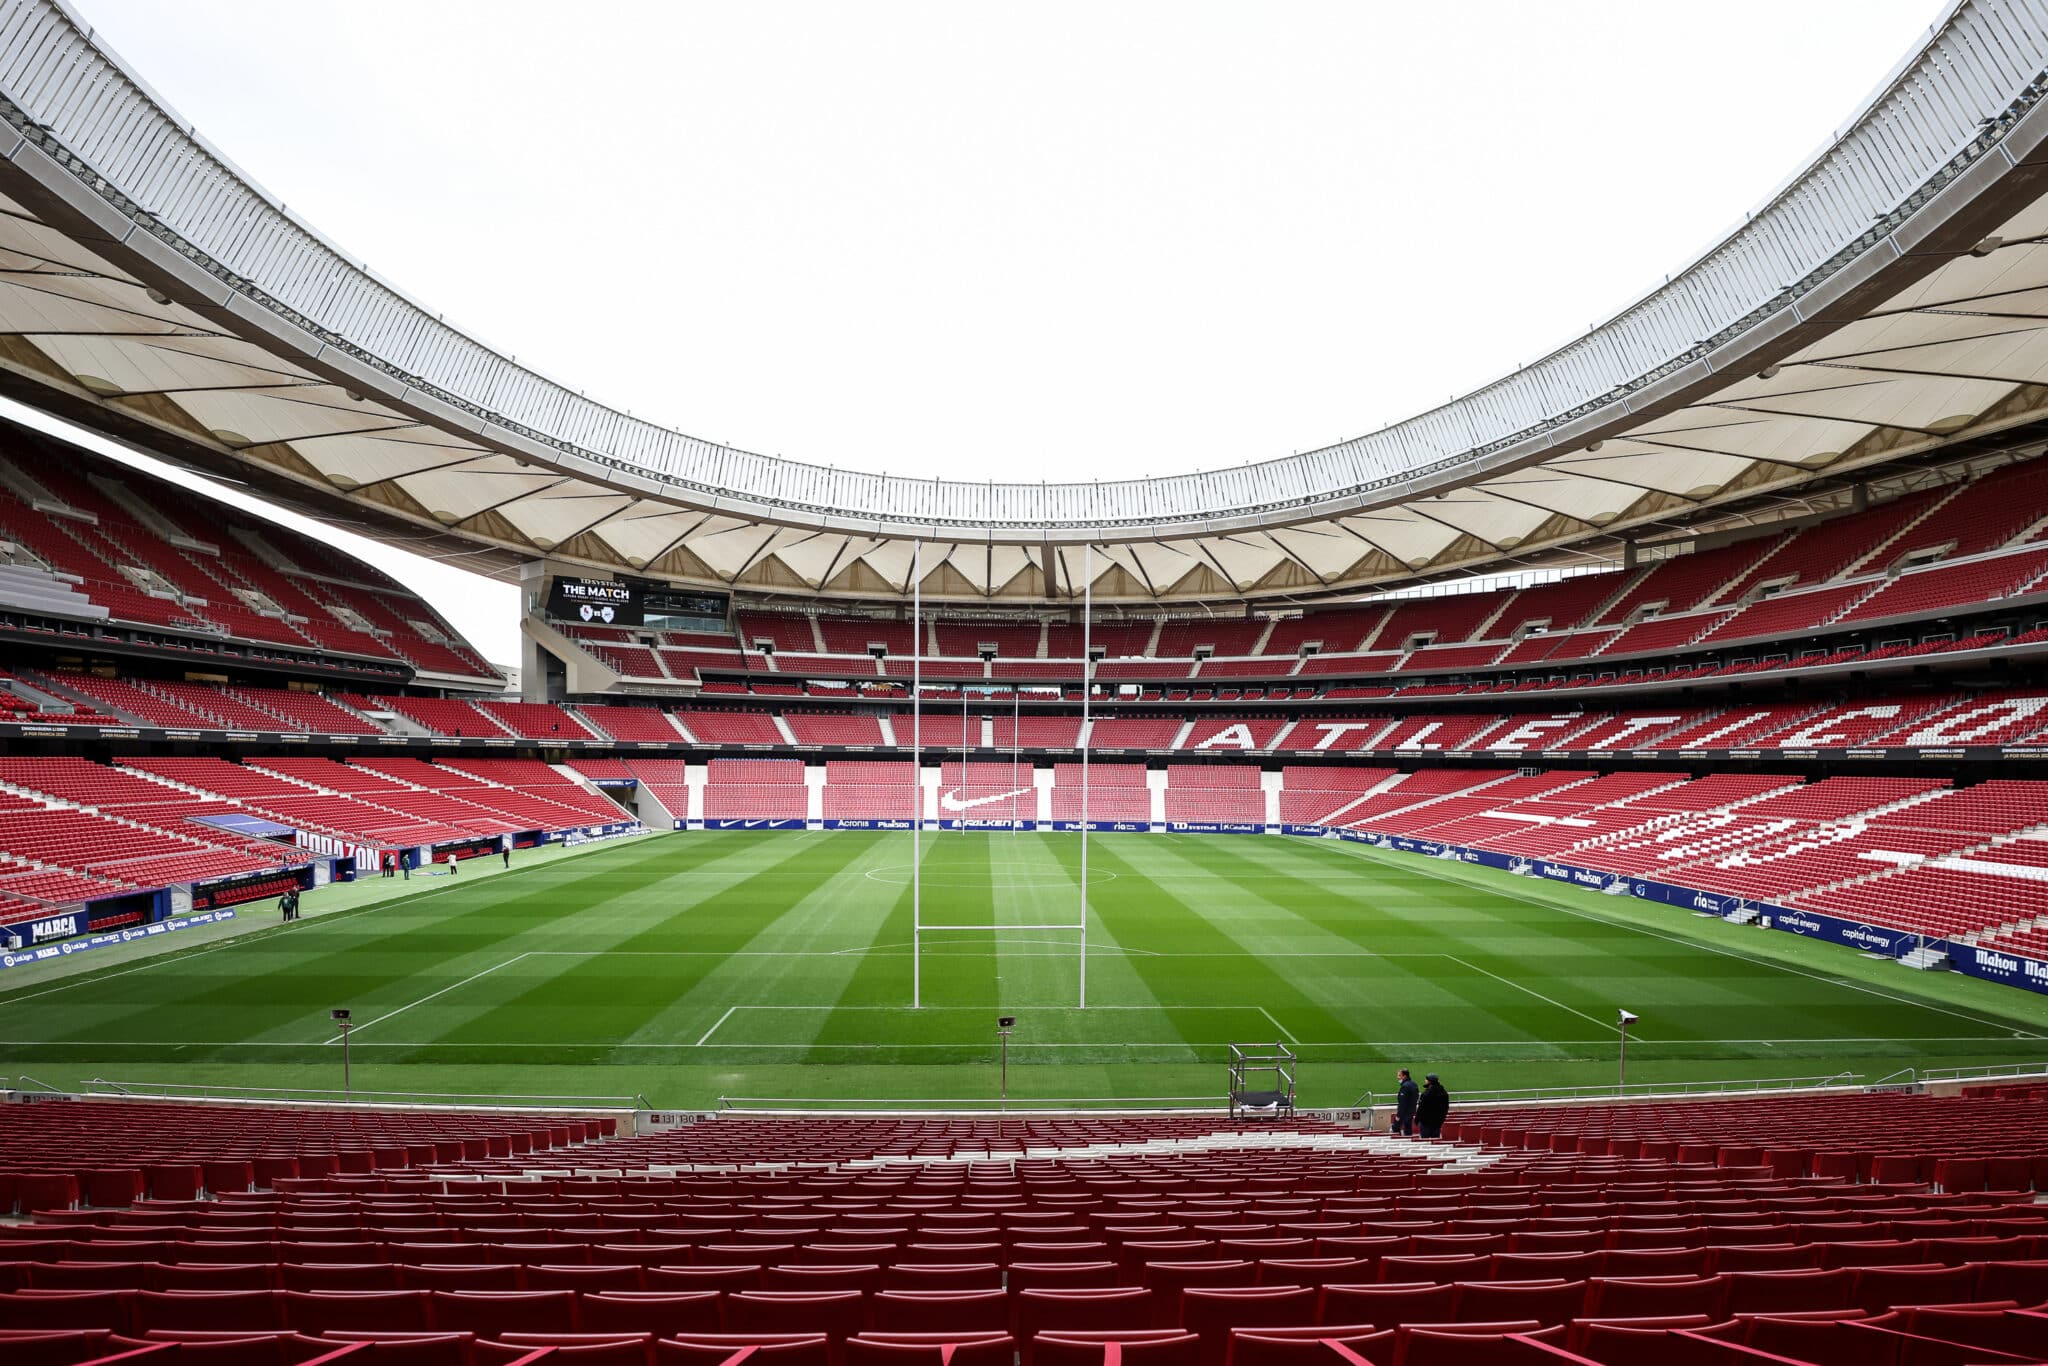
1262	1081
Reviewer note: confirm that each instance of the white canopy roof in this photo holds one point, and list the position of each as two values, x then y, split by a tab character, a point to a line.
1889	299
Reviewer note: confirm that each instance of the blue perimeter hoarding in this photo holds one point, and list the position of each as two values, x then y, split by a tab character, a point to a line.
102	941
1991	964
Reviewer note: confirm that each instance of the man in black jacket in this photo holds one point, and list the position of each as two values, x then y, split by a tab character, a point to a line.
1431	1109
1404	1105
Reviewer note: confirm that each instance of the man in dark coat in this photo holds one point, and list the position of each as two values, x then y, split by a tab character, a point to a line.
1404	1104
1432	1107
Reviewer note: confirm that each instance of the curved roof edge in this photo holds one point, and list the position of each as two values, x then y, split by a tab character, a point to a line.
1944	108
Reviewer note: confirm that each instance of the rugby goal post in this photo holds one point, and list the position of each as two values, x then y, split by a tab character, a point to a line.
918	927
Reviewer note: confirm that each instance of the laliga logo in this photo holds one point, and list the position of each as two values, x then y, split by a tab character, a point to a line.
589	613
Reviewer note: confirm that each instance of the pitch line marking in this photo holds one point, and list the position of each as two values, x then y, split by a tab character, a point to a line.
1285	1033
921	1009
1508	981
714	1028
263	933
257	934
429	996
1350	851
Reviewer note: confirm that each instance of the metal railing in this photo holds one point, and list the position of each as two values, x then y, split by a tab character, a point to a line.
1994	1071
301	1095
1657	1090
1940	111
1029	1105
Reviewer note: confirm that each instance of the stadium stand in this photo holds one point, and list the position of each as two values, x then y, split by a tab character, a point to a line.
536	720
840	728
754	789
636	724
870	789
1116	792
731	727
1228	794
1797	1229
159	556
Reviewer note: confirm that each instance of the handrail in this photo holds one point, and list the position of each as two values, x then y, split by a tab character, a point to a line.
53	1090
1655	1090
1993	1071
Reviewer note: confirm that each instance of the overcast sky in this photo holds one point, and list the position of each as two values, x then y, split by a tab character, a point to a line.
1051	240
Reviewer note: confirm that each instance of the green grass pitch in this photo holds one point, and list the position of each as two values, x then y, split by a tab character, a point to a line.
692	966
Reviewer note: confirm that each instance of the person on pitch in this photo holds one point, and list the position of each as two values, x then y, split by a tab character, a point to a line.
1404	1104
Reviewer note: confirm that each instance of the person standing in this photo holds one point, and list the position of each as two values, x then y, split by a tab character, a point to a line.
1404	1104
452	869
506	850
1432	1107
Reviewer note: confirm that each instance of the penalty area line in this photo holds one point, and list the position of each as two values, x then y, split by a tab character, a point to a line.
714	1028
1509	981
389	1014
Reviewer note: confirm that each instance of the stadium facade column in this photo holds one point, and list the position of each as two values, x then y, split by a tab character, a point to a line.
814	796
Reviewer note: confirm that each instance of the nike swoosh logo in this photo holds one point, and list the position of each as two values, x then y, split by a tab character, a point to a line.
949	802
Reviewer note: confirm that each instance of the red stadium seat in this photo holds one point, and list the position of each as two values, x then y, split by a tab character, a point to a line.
755	1349
931	1349
1099	1308
1324	1345
1419	1302
382	1311
247	1311
491	1312
837	1313
1212	1312
941	1311
663	1313
1151	1347
1546	1302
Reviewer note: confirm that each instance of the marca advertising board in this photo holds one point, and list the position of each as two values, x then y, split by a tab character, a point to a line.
102	941
61	926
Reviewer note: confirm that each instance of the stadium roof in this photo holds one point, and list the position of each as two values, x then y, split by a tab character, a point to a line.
1890	298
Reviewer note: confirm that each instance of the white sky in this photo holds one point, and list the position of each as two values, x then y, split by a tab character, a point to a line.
1056	240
